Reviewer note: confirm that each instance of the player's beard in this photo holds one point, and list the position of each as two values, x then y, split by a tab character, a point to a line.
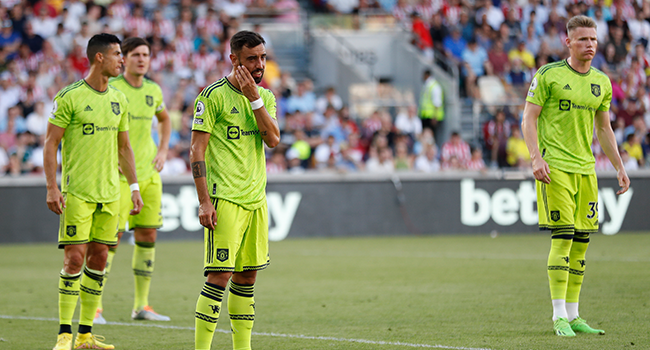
258	80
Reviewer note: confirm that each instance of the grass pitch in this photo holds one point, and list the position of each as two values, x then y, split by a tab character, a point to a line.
448	292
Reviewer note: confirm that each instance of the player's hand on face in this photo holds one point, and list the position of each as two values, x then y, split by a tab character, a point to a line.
541	171
55	201
623	181
159	161
246	83
136	198
207	215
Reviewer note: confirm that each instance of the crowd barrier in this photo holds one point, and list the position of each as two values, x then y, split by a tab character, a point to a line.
336	205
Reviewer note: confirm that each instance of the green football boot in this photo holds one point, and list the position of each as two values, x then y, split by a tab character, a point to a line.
562	328
580	325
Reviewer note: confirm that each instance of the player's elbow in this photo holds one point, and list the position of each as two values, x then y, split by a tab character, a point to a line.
272	142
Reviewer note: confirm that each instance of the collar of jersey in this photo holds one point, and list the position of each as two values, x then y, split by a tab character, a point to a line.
121	76
93	89
232	86
566	62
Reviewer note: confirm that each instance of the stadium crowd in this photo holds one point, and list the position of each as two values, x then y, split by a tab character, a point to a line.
510	39
42	49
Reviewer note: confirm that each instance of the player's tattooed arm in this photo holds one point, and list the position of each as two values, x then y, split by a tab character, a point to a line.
198	169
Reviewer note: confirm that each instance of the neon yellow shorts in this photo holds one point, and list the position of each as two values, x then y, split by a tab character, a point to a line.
82	222
569	201
150	216
240	242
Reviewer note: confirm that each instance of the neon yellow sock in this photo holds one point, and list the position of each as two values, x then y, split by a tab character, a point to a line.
144	255
92	283
109	264
577	266
208	307
558	262
68	296
241	307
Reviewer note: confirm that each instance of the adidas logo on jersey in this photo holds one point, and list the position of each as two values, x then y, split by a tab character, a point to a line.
234	111
566	87
88	109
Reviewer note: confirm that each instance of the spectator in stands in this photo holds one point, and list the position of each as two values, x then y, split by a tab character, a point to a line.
455	152
278	163
474	59
432	108
408	123
330	98
20	154
629	111
602	29
36	121
633	147
620	42
427	161
517	152
9	39
403	160
8	136
628	162
380	161
521	53
532	40
504	35
323	153
476	163
174	165
490	15
454	45
499	61
495	134
304	99
438	32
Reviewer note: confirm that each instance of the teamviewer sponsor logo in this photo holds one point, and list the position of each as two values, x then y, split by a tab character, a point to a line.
565	105
89	129
233	133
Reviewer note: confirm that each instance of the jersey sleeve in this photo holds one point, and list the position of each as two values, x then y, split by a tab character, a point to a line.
539	91
124	118
205	114
61	111
159	102
269	103
607	98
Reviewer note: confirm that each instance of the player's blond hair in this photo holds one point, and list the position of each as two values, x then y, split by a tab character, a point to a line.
579	22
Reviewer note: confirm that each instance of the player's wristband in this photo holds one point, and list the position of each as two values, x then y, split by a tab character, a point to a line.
134	187
257	104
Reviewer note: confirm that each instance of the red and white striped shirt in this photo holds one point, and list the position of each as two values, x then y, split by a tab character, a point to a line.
475	164
121	10
139	26
461	151
213	25
30	63
205	62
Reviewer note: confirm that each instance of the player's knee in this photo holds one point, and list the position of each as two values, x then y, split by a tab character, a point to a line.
74	261
246	277
219	278
145	235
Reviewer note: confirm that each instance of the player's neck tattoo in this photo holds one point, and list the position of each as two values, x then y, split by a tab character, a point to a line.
198	169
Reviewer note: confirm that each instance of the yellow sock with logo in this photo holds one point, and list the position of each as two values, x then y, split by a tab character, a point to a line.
206	316
144	256
68	296
577	264
92	283
107	270
241	307
558	268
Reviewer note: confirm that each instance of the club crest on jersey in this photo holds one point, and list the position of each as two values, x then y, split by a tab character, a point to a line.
595	89
149	100
222	254
71	230
115	106
555	215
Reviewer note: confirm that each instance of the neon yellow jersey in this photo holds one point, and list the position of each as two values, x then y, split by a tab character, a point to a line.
91	120
565	126
235	161
144	102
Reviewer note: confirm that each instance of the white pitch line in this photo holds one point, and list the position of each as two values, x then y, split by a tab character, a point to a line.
279	335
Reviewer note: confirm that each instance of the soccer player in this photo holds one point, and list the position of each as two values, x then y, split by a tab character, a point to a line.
564	101
145	101
233	118
90	117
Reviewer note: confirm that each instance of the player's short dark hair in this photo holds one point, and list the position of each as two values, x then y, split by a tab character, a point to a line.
133	43
579	22
245	38
100	43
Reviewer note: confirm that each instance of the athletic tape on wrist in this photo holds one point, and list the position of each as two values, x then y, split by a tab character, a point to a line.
134	187
257	104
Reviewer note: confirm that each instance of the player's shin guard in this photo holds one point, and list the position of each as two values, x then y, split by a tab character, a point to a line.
207	314
109	264
558	269
144	255
68	296
577	267
92	283
241	307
